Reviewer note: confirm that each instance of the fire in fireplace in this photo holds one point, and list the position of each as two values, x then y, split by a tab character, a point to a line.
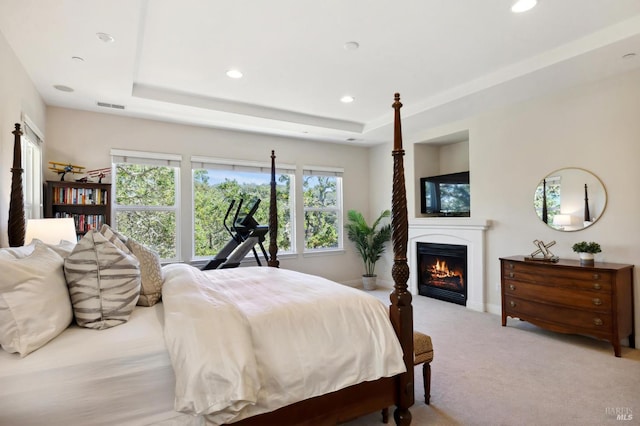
442	272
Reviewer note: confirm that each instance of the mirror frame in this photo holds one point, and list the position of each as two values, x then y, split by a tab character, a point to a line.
594	201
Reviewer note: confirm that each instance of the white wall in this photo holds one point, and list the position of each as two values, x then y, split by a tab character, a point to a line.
86	138
595	127
18	96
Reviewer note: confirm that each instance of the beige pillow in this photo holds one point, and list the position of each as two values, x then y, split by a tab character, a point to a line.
150	267
103	279
150	272
34	300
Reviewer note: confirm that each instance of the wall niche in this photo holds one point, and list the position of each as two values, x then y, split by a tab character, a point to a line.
439	156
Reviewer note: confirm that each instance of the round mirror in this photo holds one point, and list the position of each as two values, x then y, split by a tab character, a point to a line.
570	199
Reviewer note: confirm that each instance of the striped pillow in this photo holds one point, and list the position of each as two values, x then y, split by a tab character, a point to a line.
104	281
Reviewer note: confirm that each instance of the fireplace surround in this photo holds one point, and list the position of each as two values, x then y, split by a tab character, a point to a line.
458	231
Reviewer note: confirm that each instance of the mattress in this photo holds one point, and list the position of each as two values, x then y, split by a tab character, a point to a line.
118	376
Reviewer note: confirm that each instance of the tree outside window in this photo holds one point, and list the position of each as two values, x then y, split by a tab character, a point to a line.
322	196
215	188
146	203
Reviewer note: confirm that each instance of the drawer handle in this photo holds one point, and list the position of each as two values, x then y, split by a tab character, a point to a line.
511	274
597	286
596	276
512	304
597	301
512	287
511	266
597	321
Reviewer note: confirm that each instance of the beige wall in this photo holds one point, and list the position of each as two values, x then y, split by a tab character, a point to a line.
86	138
18	97
595	127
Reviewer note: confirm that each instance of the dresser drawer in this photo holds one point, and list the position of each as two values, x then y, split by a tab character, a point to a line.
588	322
580	279
570	297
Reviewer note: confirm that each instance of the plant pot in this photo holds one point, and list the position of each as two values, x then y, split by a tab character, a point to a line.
369	282
586	258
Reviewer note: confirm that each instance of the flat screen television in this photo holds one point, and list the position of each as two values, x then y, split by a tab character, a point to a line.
446	195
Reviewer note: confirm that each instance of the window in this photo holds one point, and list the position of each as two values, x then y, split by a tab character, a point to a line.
219	182
548	195
322	194
32	165
146	203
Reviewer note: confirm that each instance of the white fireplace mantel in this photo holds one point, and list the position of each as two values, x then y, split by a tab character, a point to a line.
461	231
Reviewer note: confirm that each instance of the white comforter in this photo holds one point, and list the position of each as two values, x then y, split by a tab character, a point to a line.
246	341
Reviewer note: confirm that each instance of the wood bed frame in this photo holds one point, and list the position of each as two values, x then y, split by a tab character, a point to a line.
367	397
351	402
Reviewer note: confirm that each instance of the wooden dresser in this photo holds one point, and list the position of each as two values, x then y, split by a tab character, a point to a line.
568	297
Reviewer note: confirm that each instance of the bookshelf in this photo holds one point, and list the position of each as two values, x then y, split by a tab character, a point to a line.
89	204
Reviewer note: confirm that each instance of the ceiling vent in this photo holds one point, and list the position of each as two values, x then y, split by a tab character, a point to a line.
107	105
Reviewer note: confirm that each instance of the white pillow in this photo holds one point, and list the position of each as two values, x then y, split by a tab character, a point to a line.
34	300
64	249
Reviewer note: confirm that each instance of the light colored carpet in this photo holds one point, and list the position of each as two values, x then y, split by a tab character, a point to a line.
486	374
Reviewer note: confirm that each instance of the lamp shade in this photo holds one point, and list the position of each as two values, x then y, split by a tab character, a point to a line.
562	220
51	231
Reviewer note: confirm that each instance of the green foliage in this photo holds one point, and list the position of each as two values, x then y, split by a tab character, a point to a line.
587	247
369	240
149	216
321	220
148	186
211	202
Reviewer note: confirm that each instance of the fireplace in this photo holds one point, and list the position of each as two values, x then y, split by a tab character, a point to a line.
442	271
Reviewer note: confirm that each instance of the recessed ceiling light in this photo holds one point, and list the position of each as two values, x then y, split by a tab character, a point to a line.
234	74
347	99
351	45
63	88
107	38
523	5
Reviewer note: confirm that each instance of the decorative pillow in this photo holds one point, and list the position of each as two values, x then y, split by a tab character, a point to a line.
150	267
64	248
34	300
150	272
103	279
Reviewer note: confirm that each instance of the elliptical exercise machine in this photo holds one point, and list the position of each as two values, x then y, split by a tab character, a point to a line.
245	234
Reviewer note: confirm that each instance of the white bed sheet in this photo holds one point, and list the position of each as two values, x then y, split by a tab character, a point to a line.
118	376
263	338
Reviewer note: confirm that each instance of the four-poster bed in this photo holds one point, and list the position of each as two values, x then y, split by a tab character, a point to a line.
19	383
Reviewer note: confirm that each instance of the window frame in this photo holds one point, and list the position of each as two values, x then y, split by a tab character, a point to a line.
121	156
31	155
338	173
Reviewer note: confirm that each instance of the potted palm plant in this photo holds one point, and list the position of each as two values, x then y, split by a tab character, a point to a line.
369	241
586	250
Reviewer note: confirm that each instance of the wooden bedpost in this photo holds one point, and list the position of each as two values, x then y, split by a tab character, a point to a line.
16	204
401	311
273	217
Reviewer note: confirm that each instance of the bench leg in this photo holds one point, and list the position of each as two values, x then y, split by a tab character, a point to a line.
385	415
426	377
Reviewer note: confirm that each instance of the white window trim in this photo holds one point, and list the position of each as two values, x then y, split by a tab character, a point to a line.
33	138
